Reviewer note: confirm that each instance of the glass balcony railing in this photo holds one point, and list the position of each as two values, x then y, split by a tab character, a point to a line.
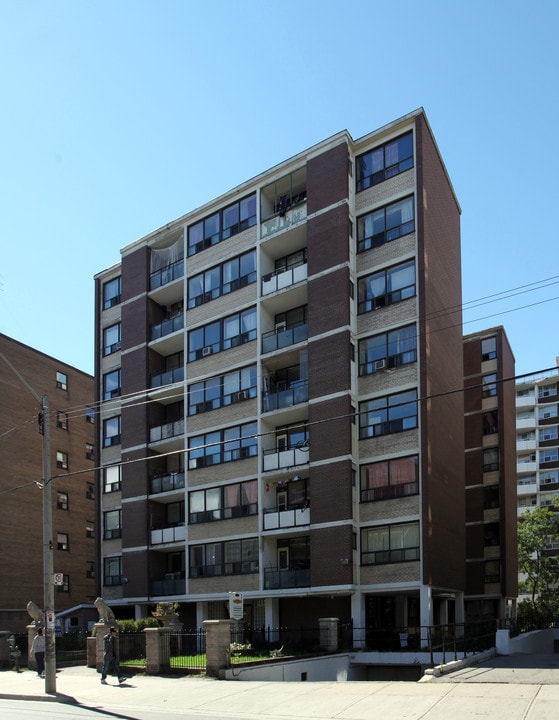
168	587
176	533
297	392
275	519
167	327
284	278
170	481
281	338
166	275
164	432
276	459
168	377
276	579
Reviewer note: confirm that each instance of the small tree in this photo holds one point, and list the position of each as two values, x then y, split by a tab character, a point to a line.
536	530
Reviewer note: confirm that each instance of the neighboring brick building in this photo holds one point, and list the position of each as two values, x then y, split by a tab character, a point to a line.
287	357
490	439
70	394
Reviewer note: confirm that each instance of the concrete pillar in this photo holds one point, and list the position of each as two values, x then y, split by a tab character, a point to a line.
100	631
91	652
31	632
158	656
329	633
218	646
358	619
426	611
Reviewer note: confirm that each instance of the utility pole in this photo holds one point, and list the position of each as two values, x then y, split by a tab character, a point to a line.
48	563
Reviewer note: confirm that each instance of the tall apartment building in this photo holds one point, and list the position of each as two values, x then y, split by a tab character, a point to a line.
490	447
70	395
275	372
537	441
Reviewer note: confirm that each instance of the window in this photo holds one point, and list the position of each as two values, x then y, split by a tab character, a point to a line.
89	569
111	480
90	490
111	431
386	287
547	412
491	535
61	381
111	339
549	477
89	529
111	384
288	437
112	571
221	446
385	224
490	459
62	500
390	479
547	390
388	350
111	293
549	455
490	422
62	541
548	433
491	497
90	415
488	349
390	414
492	571
384	162
89	450
489	385
223	334
234	557
224	390
112	524
222	280
61	460
62	420
221	225
390	544
227	501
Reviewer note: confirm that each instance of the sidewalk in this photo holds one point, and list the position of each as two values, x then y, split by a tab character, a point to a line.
433	700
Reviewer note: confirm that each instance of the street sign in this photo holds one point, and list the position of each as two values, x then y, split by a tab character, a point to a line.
59	578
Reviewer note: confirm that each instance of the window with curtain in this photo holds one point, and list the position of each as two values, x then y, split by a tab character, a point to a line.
385	224
390	479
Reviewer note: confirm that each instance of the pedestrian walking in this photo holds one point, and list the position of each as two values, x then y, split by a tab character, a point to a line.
110	657
38	651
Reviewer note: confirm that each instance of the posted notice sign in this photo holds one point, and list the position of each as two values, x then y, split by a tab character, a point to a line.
236	610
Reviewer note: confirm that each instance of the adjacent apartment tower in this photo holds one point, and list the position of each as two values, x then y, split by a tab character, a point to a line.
278	377
70	395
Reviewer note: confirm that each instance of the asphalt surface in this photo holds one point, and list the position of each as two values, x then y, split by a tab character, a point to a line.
523	687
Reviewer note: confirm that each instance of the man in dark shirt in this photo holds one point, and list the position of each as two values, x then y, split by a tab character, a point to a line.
110	657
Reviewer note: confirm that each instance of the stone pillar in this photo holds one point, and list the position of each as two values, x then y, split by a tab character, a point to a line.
157	650
31	632
329	633
100	631
218	646
91	652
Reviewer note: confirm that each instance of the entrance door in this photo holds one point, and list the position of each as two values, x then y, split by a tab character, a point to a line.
283	558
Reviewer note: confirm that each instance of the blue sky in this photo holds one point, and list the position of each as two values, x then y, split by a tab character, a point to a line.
116	117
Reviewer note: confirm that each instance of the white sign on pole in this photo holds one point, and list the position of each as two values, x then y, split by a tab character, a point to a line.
236	609
59	578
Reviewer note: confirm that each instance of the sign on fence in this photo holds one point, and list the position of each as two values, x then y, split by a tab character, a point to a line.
236	609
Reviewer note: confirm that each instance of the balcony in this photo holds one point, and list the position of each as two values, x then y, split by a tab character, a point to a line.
166	275
284	279
171	585
276	579
168	535
276	459
294	216
167	327
297	392
167	431
275	519
167	378
524	401
283	337
524	445
165	483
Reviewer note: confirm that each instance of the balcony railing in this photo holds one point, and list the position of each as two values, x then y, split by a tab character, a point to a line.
297	392
280	222
168	377
276	459
164	483
167	327
280	338
284	278
166	275
168	587
276	579
275	519
168	535
167	431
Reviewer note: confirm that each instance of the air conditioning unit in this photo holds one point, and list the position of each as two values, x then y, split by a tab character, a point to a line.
208	350
193	463
380	364
281	326
241	395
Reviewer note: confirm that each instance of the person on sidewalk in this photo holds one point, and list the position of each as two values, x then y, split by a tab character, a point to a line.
38	650
110	657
